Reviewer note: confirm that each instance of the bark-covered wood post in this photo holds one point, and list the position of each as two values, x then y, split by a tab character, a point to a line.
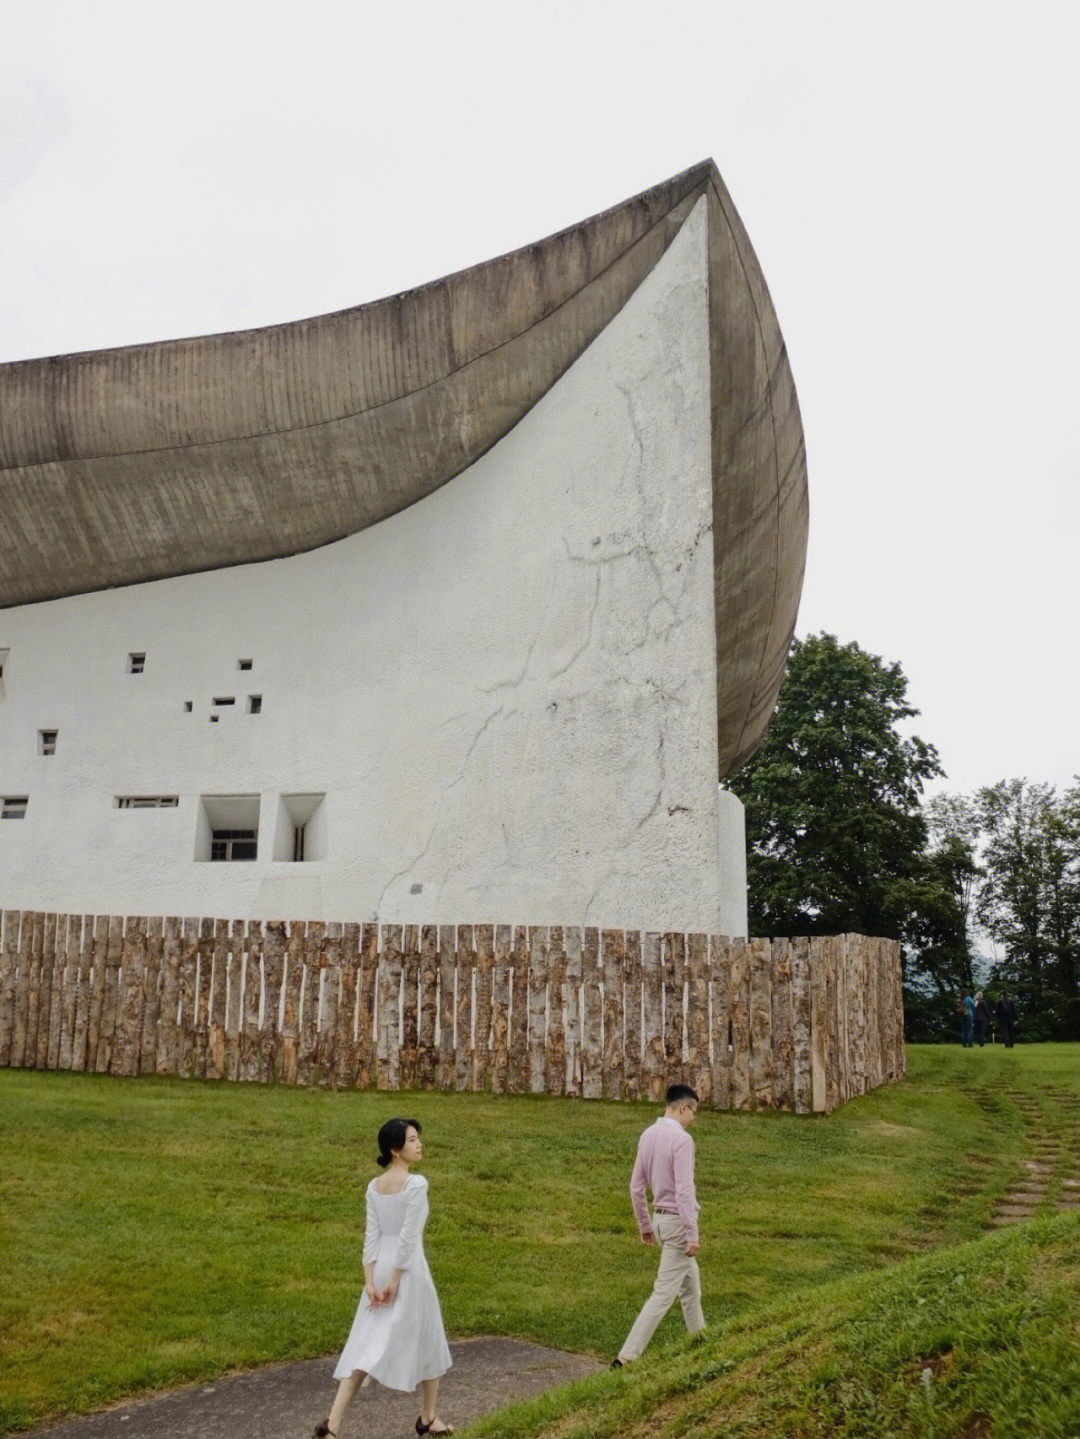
148	1036
819	1026
82	1003
613	952
832	1045
330	962
96	998
215	1007
249	980
800	1025
168	1034
129	1012
9	966
633	1067
555	1044
59	988
842	960
54	942
742	1094
292	977
307	1014
783	1026
673	956
388	1049
538	942
484	938
463	1006
500	1009
72	946
653	1066
33	1007
572	940
275	966
518	1074
720	975
21	1005
204	968
591	1054
366	1005
699	1064
429	999
40	1058
410	1024
761	1065
233	1016
345	1043
447	957
189	946
110	1002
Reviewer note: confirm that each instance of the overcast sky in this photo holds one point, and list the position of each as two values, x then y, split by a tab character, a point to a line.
908	174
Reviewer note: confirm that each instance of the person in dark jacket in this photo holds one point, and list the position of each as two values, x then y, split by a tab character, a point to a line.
1005	1014
982	1019
966	1008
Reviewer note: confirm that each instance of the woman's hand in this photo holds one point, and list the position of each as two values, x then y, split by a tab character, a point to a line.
374	1297
389	1294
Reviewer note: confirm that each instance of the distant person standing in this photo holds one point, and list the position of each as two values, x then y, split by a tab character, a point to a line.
1005	1014
967	1017
982	1019
665	1164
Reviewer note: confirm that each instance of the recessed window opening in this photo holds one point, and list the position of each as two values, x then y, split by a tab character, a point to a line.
187	706
254	704
227	827
300	834
3	665
230	844
243	664
13	806
136	663
214	719
47	740
147	801
225	700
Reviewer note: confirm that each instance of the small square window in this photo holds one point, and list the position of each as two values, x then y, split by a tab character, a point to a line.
224	699
254	704
243	664
13	806
47	741
214	719
136	663
187	706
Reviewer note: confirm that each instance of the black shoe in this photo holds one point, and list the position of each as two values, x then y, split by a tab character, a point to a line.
616	1364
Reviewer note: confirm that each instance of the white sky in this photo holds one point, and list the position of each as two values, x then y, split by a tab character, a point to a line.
909	175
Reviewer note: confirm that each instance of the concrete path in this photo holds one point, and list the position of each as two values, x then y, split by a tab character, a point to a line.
286	1401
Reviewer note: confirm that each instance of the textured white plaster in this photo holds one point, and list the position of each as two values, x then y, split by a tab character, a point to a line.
507	693
733	917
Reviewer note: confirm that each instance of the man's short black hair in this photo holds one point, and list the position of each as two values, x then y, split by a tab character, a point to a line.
676	1093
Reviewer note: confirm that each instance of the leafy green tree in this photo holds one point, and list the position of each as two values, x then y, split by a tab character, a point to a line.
836	837
1029	900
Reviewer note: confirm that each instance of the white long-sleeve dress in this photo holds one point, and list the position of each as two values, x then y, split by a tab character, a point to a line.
401	1343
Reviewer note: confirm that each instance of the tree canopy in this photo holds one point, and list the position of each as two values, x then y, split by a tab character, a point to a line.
836	836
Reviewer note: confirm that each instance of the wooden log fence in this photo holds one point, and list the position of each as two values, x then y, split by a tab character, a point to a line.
791	1024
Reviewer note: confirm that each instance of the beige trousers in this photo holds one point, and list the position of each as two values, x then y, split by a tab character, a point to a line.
677	1278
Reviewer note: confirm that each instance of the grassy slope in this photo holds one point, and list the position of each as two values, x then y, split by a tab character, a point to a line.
969	1339
156	1231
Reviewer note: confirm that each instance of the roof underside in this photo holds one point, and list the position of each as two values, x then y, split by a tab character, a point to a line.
121	466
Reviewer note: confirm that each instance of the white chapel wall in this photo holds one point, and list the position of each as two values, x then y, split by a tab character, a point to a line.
506	693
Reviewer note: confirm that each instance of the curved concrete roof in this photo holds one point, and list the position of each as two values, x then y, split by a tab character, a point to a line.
119	466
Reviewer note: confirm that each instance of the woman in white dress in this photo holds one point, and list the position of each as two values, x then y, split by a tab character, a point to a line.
397	1336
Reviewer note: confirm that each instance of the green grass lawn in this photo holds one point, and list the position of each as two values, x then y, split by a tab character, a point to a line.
156	1231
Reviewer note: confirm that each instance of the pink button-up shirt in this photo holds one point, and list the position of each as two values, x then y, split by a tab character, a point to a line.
665	1162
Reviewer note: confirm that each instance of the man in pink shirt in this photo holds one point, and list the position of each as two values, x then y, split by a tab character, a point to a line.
665	1163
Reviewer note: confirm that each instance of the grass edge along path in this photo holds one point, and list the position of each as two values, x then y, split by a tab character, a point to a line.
968	1340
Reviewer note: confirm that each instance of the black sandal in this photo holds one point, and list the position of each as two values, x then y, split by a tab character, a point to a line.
422	1428
322	1430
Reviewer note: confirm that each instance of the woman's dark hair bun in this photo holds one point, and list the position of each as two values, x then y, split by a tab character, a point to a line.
392	1136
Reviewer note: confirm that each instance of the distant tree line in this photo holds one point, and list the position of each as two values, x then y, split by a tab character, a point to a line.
840	839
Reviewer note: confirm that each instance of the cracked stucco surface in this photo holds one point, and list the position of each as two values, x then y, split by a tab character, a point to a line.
507	691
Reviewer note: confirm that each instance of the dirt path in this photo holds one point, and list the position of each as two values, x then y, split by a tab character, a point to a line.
285	1401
